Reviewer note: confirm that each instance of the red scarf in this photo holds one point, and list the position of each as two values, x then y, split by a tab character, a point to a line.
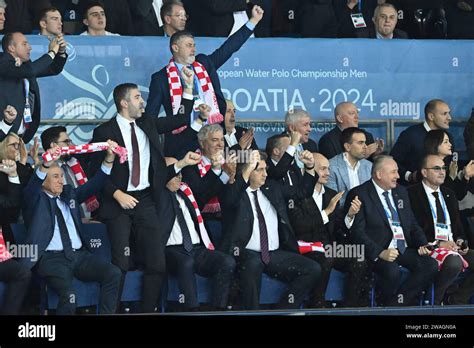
176	92
4	253
202	229
213	205
91	203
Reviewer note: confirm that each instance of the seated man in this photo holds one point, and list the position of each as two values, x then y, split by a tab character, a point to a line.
387	228
188	247
346	115
385	20
95	20
237	138
259	234
350	168
316	219
53	221
437	212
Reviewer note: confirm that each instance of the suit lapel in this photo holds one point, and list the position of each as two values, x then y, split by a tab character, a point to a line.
378	204
116	132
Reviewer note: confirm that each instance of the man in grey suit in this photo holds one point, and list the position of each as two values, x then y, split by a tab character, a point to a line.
350	168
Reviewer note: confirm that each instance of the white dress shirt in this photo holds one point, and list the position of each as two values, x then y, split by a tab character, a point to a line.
380	191
176	236
271	221
432	201
143	148
352	172
318	199
230	139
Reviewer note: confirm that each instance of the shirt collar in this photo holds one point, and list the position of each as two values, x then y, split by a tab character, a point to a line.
425	124
381	37
380	190
123	121
428	189
345	154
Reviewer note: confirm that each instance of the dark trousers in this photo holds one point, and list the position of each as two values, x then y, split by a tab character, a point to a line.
17	277
301	274
318	293
422	269
148	247
450	269
58	273
207	263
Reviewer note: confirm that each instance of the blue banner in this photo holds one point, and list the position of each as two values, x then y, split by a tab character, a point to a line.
386	79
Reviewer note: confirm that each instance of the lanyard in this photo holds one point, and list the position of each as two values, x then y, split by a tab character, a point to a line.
360	6
26	84
443	206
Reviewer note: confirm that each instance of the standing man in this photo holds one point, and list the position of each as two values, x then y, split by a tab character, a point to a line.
166	87
18	83
130	197
408	150
50	22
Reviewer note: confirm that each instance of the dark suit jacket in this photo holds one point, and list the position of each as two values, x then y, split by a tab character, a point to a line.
285	166
210	185
39	212
408	150
167	213
219	18
10	204
307	221
144	18
159	173
159	89
421	209
238	134
238	214
370	33
13	91
330	143
371	226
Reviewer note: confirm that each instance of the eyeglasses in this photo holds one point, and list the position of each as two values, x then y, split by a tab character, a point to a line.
65	141
16	146
180	16
438	168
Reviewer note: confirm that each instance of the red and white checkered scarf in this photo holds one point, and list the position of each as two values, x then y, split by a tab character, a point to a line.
91	203
213	205
440	254
202	229
4	253
307	247
176	92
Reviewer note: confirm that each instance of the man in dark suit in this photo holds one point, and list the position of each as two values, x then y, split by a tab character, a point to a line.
13	273
346	115
408	150
259	233
183	49
130	196
385	20
172	14
237	138
188	247
51	214
18	83
437	212
281	152
386	227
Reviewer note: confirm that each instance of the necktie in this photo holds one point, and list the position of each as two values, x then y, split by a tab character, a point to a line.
136	158
440	218
400	243
265	253
187	242
63	231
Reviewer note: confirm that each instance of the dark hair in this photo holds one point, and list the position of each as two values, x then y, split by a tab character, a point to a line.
167	8
91	4
178	36
346	136
122	92
273	142
433	140
51	135
242	165
7	40
431	106
42	13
